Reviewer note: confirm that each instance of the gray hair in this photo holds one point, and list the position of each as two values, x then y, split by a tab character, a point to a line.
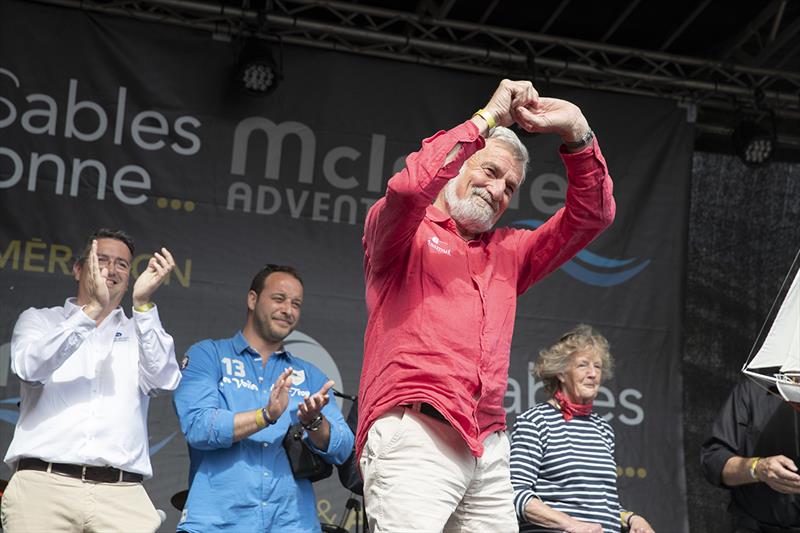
554	360
518	150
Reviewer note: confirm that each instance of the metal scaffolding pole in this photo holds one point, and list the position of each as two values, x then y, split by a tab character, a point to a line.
412	37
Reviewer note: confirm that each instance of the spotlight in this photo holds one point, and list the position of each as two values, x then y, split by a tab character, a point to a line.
754	143
257	71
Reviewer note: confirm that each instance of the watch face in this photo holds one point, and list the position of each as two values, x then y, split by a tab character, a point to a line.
314	424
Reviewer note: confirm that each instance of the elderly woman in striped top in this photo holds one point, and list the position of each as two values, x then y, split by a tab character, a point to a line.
562	455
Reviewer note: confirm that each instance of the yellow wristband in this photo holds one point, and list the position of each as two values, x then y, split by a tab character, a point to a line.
753	465
625	517
260	422
485	115
144	308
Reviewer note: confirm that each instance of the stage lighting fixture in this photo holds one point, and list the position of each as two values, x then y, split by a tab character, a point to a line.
257	71
754	142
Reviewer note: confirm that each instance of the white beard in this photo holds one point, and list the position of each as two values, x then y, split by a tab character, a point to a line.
471	213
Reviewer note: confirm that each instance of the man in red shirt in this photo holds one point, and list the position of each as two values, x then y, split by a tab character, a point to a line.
441	297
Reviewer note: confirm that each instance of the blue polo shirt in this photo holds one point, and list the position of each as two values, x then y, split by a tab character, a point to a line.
247	485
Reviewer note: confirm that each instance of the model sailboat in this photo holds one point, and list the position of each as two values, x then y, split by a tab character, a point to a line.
777	361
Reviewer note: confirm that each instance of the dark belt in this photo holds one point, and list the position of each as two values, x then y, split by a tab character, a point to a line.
100	474
428	410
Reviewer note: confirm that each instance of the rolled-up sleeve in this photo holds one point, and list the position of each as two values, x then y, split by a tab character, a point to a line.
205	425
728	436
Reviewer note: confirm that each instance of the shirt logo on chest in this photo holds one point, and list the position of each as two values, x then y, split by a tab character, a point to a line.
236	373
438	246
120	337
298	376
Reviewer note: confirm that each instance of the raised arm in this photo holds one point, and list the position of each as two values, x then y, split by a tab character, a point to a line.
333	439
393	220
39	347
589	206
158	369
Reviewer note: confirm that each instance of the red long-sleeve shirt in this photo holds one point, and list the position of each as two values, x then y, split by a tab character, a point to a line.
442	309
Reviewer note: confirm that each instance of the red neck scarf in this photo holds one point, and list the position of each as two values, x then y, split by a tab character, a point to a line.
570	409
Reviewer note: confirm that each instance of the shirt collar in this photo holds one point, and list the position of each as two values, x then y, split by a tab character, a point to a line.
240	345
436	215
70	306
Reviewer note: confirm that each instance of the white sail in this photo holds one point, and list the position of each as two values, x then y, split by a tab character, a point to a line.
781	347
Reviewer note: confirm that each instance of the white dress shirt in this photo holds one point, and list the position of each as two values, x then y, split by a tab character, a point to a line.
85	388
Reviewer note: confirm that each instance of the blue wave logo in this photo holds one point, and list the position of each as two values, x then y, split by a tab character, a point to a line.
155	448
7	415
607	272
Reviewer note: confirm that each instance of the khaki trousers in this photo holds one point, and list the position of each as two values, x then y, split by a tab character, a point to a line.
37	501
420	477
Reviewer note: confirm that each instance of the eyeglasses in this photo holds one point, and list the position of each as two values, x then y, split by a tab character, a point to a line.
120	264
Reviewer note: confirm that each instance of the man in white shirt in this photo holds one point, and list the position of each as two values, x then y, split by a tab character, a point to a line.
80	449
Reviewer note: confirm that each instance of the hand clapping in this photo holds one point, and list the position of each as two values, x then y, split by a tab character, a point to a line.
99	298
311	407
158	268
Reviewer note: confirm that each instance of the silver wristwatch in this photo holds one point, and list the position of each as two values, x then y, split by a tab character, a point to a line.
583	142
314	425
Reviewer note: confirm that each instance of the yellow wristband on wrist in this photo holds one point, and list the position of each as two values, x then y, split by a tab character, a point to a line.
625	518
260	422
144	308
753	465
485	115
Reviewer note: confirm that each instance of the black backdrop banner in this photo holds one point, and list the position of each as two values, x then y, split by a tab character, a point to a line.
107	122
744	235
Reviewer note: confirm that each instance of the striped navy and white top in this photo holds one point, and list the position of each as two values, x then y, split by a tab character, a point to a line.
570	466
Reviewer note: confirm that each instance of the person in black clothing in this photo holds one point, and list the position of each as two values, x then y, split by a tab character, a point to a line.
349	476
753	451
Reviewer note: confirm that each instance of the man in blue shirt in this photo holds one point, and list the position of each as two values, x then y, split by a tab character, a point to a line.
236	401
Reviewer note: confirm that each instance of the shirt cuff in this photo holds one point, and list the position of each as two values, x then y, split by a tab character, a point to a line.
221	428
334	442
716	463
587	167
147	320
